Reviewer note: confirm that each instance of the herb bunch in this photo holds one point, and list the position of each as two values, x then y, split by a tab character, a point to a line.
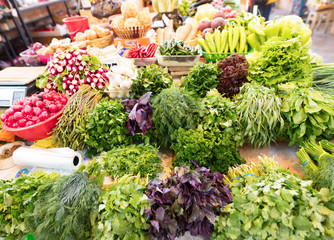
201	78
174	108
259	111
215	151
152	78
132	159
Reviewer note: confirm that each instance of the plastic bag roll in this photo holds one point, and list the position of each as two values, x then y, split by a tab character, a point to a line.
58	158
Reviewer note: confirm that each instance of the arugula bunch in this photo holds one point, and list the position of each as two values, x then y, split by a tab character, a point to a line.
132	159
218	114
201	78
152	78
280	61
259	111
215	151
310	115
121	211
174	108
105	127
277	206
17	197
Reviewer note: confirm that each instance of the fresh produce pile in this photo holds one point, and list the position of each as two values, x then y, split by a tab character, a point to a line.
33	110
68	70
143	52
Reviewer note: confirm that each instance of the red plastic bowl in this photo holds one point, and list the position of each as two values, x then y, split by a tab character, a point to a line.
36	132
45	58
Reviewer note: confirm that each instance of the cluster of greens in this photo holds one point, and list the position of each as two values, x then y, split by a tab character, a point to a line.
218	114
201	78
132	159
280	61
277	206
67	132
174	47
174	108
121	210
105	127
17	197
67	206
259	111
310	115
188	200
152	78
211	150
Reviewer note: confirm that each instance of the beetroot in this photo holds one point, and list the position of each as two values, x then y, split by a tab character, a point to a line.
204	25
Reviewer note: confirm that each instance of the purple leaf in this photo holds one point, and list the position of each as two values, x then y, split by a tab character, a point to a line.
160	214
155	224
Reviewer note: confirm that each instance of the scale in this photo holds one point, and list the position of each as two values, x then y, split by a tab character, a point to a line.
17	83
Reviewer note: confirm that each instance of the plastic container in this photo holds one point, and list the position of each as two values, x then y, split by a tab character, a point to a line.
178	60
215	57
144	61
36	132
45	58
29	59
76	24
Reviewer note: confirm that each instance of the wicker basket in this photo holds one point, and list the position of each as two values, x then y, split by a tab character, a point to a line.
131	32
101	42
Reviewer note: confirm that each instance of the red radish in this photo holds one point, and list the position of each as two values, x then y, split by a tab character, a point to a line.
84	64
48	86
67	92
65	86
95	80
53	71
22	122
75	82
74	68
70	62
100	70
76	53
70	77
101	80
68	56
93	85
37	111
105	76
69	68
105	69
100	86
18	116
81	68
87	73
79	57
89	80
77	77
71	87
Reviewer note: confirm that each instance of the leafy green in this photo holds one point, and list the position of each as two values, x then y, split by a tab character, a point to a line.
105	127
215	151
173	48
310	115
132	159
66	208
277	206
280	61
17	197
152	78
174	108
201	78
259	111
323	78
121	210
218	114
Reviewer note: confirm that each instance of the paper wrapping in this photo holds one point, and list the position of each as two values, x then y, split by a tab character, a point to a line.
56	158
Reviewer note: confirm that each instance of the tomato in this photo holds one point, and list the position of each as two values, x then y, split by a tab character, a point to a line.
39	104
18	116
22	122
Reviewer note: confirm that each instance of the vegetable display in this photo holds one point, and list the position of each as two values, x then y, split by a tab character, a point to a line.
309	113
176	48
33	110
105	127
218	114
152	78
140	114
17	197
280	61
277	205
132	159
68	70
211	150
188	200
174	108
259	111
234	71
126	195
67	132
67	205
143	52
201	78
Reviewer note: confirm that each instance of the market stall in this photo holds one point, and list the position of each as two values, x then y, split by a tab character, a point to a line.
211	123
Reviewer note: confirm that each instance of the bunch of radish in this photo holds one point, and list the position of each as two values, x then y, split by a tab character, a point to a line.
74	68
35	109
